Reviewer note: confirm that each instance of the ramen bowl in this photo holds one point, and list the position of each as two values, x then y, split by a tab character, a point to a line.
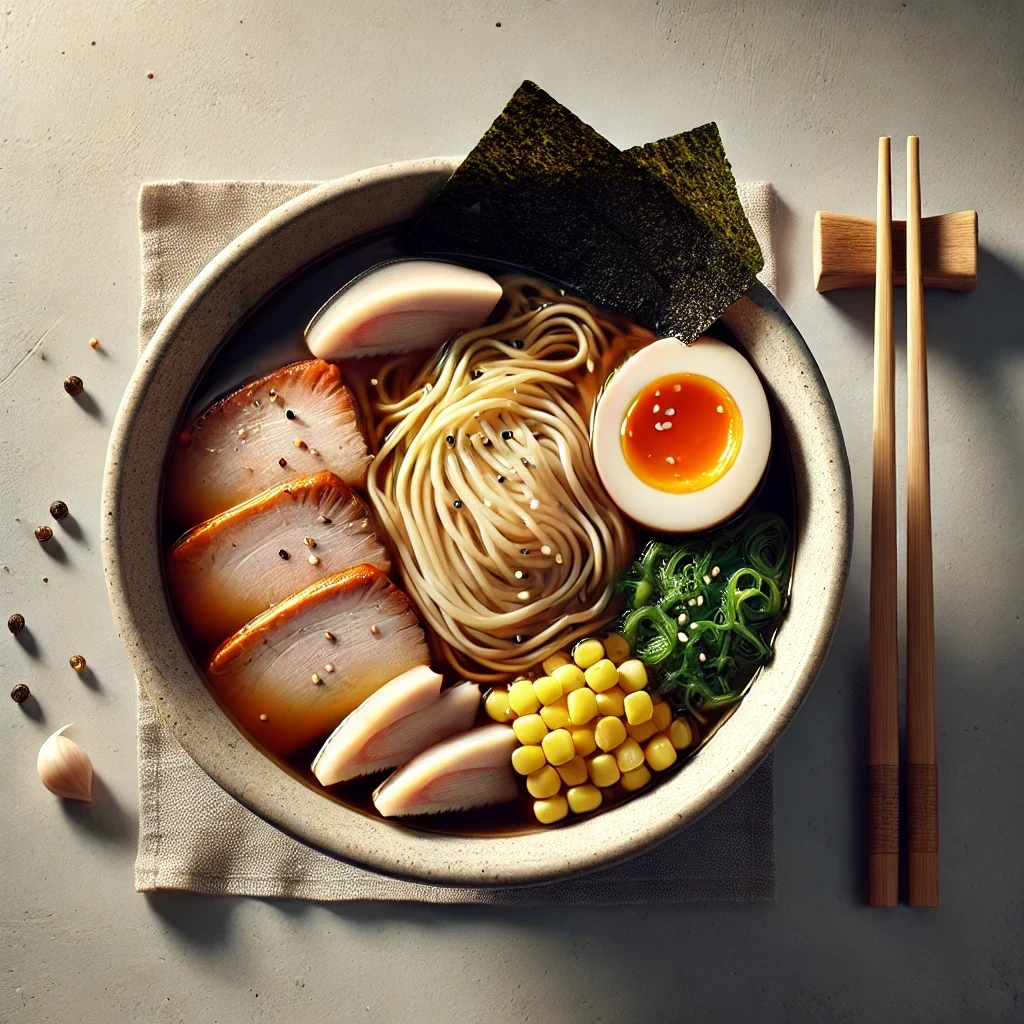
283	244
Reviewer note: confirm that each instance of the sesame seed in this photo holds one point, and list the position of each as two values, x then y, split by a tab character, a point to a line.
517	343
263	718
700	600
450	440
670	460
314	560
677	387
715	571
545	549
525	461
477	374
240	432
309	542
284	554
328	635
457	503
316	679
375	629
534	504
328	667
683	638
273	394
692	602
667	425
631	433
373	381
323	519
702	657
519	574
670	412
720	409
299	443
506	435
657	408
501	479
487	502
314	451
488	442
290	414
682	618
707	580
427	388
523	595
658	427
519	638
657	394
558	559
590	366
524	551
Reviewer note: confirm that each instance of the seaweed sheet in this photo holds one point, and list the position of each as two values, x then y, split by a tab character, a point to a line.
655	233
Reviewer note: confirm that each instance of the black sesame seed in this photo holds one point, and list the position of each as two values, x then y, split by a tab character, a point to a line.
289	414
284	554
450	440
526	461
488	442
501	479
457	503
520	638
518	343
506	435
524	551
477	374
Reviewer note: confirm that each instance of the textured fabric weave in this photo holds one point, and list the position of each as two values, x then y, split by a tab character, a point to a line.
195	837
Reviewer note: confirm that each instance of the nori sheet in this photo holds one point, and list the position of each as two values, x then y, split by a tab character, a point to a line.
655	233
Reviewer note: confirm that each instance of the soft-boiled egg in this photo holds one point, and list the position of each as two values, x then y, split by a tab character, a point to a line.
681	434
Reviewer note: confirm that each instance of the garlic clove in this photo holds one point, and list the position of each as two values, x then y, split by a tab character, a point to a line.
64	768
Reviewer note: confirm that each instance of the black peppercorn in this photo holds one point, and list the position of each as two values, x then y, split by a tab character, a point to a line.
16	623
282	462
43	534
59	510
20	693
73	386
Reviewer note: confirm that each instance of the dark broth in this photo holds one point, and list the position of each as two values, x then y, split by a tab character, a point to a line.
270	337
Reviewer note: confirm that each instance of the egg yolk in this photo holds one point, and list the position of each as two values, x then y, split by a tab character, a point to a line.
681	433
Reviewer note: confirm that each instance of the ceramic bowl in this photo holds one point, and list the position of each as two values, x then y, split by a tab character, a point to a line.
273	250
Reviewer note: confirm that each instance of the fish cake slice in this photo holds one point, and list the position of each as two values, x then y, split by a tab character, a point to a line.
237	564
298	420
291	674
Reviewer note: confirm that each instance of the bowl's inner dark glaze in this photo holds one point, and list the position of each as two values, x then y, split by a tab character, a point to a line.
272	336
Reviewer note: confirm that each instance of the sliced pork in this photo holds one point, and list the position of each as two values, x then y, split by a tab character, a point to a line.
298	420
239	563
393	725
293	672
473	769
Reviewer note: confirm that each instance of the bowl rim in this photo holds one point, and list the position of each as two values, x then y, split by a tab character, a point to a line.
131	556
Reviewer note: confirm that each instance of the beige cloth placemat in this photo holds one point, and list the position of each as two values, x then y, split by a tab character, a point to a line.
195	837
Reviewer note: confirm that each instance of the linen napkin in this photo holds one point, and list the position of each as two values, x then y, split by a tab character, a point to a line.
195	837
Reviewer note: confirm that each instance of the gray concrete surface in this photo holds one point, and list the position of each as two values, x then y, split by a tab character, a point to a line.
290	90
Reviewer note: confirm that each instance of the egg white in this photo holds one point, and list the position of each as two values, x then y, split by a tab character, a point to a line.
696	510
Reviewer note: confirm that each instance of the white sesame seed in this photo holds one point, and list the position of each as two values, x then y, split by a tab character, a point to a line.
373	381
534	504
715	571
314	451
677	387
670	460
682	619
670	412
657	394
707	580
657	408
487	502
375	629
683	638
657	426
523	595
720	409
631	433
667	425
328	667
241	431
702	657
590	366
263	718
314	560
545	549
700	600
316	679
519	574
692	602
558	559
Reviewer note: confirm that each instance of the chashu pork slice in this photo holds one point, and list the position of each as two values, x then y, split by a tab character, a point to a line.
473	769
293	672
239	563
296	421
393	725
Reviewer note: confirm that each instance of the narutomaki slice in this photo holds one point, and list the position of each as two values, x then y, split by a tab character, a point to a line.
296	421
293	672
393	725
473	769
236	565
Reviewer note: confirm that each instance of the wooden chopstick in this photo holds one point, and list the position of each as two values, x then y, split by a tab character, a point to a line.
922	774
883	755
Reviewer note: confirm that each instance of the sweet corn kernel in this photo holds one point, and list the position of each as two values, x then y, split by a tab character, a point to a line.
582	705
636	779
497	706
551	810
548	690
587	653
632	676
660	753
642	732
628	755
583	739
680	734
611	702
544	782
558	747
601	675
603	770
584	799
616	648
556	660
574	772
556	716
570	676
638	707
528	759
661	716
609	732
521	697
529	729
